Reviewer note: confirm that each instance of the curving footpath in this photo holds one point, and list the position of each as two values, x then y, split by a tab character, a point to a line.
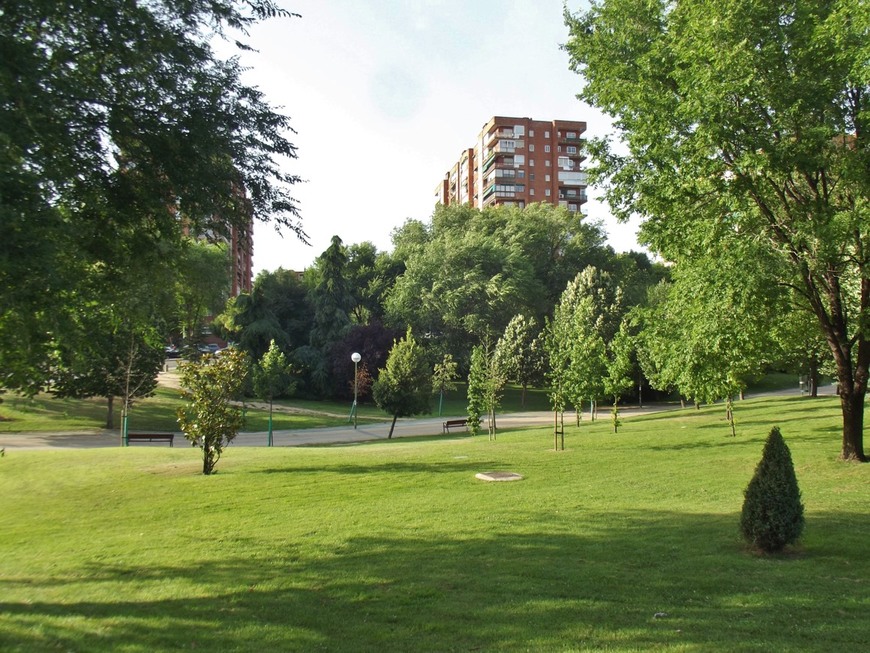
338	435
334	435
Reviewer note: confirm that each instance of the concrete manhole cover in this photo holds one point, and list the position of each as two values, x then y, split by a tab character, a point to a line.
498	476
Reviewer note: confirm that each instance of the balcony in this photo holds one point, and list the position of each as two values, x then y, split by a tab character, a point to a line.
498	134
500	160
579	196
503	190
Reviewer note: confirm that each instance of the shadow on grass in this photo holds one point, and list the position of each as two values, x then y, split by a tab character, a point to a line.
633	581
468	466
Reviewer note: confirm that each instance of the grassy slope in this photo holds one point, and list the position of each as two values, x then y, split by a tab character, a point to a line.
396	546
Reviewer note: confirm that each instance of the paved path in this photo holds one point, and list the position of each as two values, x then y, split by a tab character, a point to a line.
365	432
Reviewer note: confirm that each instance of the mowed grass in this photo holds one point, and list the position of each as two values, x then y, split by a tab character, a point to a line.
623	542
45	413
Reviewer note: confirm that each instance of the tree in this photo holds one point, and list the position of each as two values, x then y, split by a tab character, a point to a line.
403	387
121	129
273	377
331	296
444	377
773	515
113	344
472	271
584	321
277	308
713	327
620	366
745	119
202	285
210	419
485	384
520	352
116	361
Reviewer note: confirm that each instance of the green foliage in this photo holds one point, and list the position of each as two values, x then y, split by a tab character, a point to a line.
773	515
520	352
744	122
585	320
277	308
273	375
472	271
331	296
118	362
121	128
486	381
619	365
210	419
403	388
202	285
713	328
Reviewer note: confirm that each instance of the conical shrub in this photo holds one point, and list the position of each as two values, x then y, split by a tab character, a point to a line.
773	515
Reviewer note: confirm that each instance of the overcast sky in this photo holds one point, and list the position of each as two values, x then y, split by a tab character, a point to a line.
385	94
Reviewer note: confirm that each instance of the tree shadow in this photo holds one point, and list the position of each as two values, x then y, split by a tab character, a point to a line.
633	580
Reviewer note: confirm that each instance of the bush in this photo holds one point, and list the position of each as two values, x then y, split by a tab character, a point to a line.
773	515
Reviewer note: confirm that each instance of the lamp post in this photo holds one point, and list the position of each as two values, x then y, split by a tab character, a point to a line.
356	358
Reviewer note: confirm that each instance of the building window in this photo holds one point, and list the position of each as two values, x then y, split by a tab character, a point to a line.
572	134
519	131
531	163
531	147
546	148
546	134
572	149
547	192
531	133
546	177
547	163
532	192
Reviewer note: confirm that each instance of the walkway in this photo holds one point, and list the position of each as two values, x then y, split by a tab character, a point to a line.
365	432
337	435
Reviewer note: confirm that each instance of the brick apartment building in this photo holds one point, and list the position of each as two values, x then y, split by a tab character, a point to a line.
518	161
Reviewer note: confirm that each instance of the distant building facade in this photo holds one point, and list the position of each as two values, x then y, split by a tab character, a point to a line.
518	161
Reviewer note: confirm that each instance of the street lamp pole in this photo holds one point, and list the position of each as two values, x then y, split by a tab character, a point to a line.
355	357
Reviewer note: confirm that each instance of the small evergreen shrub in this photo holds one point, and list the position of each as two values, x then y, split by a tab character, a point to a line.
773	515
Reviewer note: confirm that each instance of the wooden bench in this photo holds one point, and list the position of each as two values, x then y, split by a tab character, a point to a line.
150	437
455	423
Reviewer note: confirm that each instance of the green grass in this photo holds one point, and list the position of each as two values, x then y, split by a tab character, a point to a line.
395	546
46	413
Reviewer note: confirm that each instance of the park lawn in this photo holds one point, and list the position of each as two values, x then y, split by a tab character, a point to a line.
46	413
623	542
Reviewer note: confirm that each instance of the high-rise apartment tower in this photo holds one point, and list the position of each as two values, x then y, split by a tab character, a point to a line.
517	161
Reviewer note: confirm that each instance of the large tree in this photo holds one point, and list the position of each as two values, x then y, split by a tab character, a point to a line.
748	118
119	128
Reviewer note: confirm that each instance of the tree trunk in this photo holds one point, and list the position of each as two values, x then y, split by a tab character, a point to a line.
110	413
392	426
523	398
852	404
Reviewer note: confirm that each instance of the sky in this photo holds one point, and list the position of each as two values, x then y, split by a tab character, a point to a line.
384	95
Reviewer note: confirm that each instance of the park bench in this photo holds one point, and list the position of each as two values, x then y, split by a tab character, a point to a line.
455	423
150	437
